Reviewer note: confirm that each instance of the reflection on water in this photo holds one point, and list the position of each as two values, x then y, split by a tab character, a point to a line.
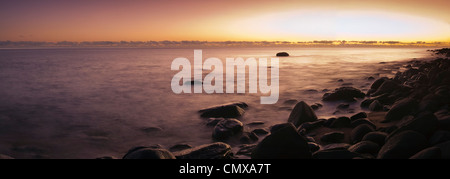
87	103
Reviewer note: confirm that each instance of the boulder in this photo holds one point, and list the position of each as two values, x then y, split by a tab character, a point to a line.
359	115
248	138
358	122
399	109
311	125
403	145
333	137
227	128
277	127
260	131
148	153
376	137
336	146
179	147
375	106
445	149
217	150
386	87
366	103
284	143
232	110
302	113
439	137
365	147
359	132
341	122
282	54
425	123
343	94
428	153
246	149
376	84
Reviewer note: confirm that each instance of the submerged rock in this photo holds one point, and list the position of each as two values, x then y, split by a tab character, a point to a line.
282	54
344	94
227	128
284	143
232	110
302	113
217	150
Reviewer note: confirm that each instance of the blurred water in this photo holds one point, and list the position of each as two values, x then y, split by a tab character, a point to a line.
93	102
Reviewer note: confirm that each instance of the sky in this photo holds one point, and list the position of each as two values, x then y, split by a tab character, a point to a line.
223	20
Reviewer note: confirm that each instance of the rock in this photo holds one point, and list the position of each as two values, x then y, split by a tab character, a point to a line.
335	154
430	102
375	106
425	123
445	149
358	116
439	137
301	113
151	129
313	146
248	138
148	153
399	109
333	137
227	128
232	110
101	158
365	147
341	122
329	121
403	145
366	103
255	123
310	139
358	122
370	78
4	156
246	149
179	147
376	137
336	146
359	132
343	106
444	122
340	80
386	87
283	143
282	54
388	129
279	126
217	150
376	84
344	94
311	125
260	131
213	121
428	153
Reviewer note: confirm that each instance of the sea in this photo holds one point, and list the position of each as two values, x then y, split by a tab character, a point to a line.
96	102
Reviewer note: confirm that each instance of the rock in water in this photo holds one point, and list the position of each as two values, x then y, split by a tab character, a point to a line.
282	54
399	109
217	150
343	93
284	143
227	128
302	113
403	145
232	110
148	153
386	87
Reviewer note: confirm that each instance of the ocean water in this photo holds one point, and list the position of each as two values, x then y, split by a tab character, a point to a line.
94	102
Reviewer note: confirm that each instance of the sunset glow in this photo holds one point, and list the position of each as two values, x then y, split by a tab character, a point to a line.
48	20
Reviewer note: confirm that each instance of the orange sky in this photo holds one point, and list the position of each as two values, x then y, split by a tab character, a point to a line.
221	20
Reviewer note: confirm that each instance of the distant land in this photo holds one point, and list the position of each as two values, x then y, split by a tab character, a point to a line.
196	44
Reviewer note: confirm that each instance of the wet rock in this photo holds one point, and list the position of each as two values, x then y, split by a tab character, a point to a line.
283	143
399	109
341	122
151	129
255	123
311	125
439	137
313	146
403	145
425	123
343	106
333	137
213	121
4	156
358	122
340	80
276	127
217	150
282	54
375	106
376	136
248	138
302	113
344	94
227	128
336	146
260	131
365	147
231	110
376	84
370	78
179	147
359	132
388	129
358	116
366	103
430	102
386	87
148	153
246	149
428	153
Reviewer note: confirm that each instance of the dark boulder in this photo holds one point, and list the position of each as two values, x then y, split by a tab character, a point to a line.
179	147
282	54
403	145
366	103
399	109
375	106
439	137
359	132
284	143
231	110
376	136
302	113
343	94
227	128
248	138
341	122
246	149
386	87
148	153
425	123
311	125
358	122
376	84
277	127
428	153
359	116
217	150
260	131
333	137
365	147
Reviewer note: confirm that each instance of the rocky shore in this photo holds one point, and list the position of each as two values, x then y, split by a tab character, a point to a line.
409	119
